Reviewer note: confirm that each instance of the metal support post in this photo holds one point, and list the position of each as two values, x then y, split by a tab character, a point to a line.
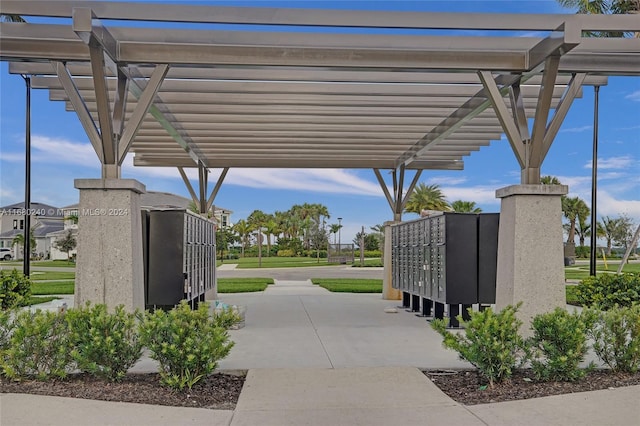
594	184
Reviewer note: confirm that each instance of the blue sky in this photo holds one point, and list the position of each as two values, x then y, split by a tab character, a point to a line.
61	151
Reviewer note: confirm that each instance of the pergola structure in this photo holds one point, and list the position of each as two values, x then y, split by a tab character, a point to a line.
219	87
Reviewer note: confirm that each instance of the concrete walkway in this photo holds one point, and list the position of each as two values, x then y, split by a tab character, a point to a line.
319	358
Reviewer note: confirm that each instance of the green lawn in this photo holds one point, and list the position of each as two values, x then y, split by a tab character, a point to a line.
43	263
581	272
348	285
42	276
572	299
368	263
36	300
58	287
243	285
278	262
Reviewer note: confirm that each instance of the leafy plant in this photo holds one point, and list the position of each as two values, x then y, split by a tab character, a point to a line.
6	326
187	343
606	290
39	347
558	345
490	342
105	344
616	337
15	289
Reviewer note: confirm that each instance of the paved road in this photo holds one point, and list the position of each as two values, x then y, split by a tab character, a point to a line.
301	274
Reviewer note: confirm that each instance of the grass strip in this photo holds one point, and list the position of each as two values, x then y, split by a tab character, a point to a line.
58	287
349	285
35	300
572	298
45	276
243	285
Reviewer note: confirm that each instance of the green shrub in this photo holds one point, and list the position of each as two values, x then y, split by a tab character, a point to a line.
491	342
6	326
15	289
105	344
286	253
187	343
39	347
583	252
558	345
616	337
606	290
372	253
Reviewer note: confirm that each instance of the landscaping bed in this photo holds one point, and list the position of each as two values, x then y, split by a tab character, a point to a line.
470	388
217	391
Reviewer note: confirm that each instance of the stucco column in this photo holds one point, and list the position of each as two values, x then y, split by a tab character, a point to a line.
388	292
109	264
530	252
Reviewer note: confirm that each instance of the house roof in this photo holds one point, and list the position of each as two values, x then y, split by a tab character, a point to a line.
159	199
41	209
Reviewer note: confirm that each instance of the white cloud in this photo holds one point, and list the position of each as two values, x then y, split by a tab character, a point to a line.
477	194
447	180
634	96
61	151
610	206
577	129
621	162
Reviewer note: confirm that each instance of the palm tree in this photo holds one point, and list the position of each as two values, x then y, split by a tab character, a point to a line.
603	7
583	230
243	228
334	229
11	18
271	227
608	229
550	180
426	197
572	208
19	240
460	206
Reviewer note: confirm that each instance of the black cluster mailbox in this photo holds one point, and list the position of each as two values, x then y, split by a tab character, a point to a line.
179	257
446	259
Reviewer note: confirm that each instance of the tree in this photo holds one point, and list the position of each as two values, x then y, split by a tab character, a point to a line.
19	240
224	237
572	208
583	230
603	7
243	229
11	18
334	228
550	180
370	241
607	229
379	232
196	209
465	207
426	197
67	244
271	227
624	231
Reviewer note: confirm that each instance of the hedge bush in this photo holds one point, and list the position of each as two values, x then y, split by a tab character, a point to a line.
607	290
558	345
616	337
490	342
105	344
15	289
187	343
39	347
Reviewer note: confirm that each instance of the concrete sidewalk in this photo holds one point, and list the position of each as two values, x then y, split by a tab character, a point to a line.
319	358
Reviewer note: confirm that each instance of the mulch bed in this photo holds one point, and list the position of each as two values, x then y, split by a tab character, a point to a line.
218	391
468	387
